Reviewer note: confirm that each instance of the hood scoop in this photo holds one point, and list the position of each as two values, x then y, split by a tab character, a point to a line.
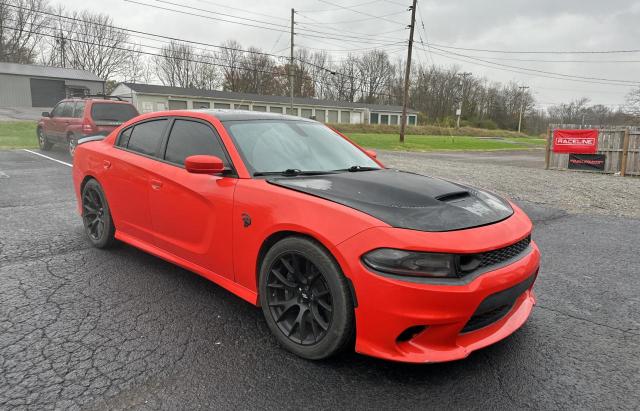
452	197
404	200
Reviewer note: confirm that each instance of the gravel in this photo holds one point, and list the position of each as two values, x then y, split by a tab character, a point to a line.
574	192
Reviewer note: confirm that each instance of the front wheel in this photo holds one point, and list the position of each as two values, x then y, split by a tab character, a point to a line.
96	216
305	299
43	142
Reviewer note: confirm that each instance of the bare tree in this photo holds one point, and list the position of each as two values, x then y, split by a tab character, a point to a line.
88	41
375	73
139	68
175	66
632	103
22	28
231	57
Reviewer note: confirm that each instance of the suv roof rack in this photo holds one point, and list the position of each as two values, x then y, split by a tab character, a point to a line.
102	96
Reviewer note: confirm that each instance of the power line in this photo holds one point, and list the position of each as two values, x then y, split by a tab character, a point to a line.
277	27
538	71
139	32
502	68
349	5
243	10
360	12
538	51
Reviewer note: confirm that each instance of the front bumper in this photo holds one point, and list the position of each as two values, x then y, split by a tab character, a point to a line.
391	313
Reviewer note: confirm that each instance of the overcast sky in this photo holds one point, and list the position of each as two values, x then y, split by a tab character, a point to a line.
510	25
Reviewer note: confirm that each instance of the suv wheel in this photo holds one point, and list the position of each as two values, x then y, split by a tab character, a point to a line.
43	142
72	144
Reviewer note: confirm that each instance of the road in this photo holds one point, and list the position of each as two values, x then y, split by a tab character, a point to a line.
120	329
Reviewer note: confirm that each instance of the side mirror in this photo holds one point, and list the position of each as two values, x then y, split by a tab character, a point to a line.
202	164
371	153
46	114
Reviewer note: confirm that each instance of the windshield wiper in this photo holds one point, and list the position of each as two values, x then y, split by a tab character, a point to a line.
291	172
354	169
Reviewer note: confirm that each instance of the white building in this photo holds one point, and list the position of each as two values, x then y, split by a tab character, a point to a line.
148	98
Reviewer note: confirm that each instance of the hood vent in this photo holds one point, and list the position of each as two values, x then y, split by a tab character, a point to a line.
455	196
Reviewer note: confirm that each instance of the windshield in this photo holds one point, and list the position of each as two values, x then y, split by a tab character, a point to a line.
113	112
271	146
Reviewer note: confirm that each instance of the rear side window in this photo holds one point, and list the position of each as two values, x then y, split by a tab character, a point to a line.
190	138
67	109
113	112
145	137
78	111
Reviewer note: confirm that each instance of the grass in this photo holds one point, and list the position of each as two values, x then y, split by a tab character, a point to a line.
18	134
426	130
22	134
433	143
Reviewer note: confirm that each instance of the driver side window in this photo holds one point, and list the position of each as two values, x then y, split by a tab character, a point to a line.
57	110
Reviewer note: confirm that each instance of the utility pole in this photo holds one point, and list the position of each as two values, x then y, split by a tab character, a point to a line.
407	73
62	43
293	12
459	111
523	88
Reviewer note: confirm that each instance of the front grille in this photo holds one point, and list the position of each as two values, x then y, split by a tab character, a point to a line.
478	321
496	257
472	263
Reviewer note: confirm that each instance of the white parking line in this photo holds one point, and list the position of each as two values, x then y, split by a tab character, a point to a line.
47	157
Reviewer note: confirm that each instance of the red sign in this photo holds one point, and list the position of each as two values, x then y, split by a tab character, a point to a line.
575	141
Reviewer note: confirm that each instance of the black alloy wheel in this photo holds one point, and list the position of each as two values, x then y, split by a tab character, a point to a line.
299	298
96	216
306	299
43	142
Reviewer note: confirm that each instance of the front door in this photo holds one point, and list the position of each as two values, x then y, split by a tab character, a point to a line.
191	213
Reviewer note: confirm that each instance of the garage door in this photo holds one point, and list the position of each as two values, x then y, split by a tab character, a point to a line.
46	93
177	105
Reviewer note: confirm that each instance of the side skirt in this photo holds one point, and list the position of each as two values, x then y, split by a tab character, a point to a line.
242	292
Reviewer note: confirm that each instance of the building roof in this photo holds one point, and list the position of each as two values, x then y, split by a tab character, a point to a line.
34	70
249	97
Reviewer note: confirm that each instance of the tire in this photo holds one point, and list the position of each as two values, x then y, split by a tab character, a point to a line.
43	142
72	143
299	279
96	216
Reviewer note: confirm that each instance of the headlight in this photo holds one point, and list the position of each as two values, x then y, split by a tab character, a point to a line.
412	263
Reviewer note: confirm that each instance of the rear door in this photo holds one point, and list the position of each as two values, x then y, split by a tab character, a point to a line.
191	213
75	125
134	156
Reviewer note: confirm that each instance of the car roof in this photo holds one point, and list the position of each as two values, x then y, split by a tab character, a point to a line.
243	115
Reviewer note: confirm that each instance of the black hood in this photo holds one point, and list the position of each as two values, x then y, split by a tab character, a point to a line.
405	200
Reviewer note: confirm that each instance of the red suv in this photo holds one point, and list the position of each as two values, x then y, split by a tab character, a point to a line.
72	119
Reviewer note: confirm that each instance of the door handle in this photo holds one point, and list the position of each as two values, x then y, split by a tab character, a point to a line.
106	164
156	184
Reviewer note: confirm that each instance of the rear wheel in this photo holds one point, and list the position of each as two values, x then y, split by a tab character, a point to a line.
72	143
96	216
43	142
305	299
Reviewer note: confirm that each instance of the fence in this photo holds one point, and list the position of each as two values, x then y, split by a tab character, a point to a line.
620	145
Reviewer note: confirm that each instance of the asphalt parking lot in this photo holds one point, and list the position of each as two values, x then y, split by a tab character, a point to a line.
86	328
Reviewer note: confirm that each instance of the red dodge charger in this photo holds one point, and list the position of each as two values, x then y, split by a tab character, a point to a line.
293	217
